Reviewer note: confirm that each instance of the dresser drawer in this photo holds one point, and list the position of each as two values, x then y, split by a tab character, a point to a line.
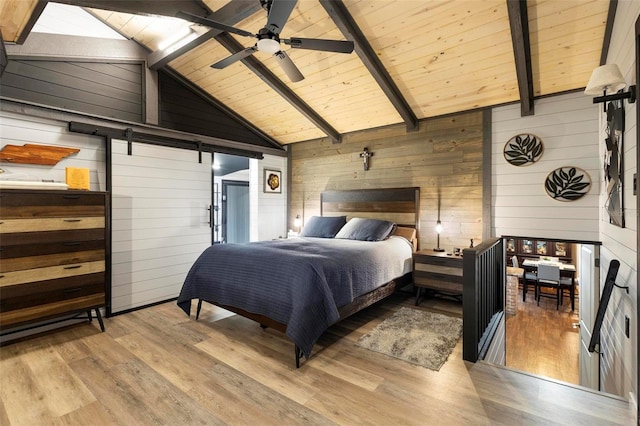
54	259
37	238
50	224
438	284
44	204
49	273
43	249
37	293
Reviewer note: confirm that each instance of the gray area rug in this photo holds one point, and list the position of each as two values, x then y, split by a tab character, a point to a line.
419	337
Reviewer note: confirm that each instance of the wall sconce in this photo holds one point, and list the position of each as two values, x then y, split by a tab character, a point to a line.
439	229
608	77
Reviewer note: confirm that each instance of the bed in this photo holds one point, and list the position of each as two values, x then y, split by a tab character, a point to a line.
301	286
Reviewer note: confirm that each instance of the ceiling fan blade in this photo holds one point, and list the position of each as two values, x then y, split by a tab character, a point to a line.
213	24
288	67
320	44
279	14
234	58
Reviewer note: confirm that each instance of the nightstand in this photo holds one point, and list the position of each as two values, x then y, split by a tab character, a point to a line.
437	272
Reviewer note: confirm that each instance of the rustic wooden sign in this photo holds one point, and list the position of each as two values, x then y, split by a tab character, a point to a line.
35	154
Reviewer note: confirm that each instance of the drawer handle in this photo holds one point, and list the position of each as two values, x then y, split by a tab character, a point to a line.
73	220
72	290
1	276
73	267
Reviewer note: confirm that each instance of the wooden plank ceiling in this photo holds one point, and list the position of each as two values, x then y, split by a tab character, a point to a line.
442	56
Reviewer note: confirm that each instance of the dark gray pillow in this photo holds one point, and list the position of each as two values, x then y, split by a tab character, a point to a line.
366	229
323	226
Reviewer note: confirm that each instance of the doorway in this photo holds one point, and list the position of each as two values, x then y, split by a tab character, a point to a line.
544	335
231	200
235	211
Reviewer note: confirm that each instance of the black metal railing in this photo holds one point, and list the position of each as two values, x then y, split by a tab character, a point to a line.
483	301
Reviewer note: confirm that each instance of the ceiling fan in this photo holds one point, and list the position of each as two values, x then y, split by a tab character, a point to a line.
269	40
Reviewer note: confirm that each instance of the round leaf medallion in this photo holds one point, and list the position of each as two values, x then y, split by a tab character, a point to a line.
523	149
567	184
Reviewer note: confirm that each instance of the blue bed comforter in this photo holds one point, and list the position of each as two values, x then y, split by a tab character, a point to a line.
300	282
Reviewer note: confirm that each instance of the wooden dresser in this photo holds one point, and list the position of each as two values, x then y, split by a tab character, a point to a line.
438	272
53	247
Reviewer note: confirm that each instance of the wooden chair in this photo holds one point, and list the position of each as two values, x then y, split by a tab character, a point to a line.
549	277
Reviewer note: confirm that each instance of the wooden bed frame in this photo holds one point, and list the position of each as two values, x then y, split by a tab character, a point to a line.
399	205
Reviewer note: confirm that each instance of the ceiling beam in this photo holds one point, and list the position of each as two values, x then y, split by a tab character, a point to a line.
608	30
276	84
345	22
147	7
35	15
231	13
519	23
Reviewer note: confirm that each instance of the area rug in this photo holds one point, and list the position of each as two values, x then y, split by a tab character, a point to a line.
419	337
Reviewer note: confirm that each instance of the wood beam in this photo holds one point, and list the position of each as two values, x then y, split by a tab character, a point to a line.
345	22
276	84
611	16
148	7
231	13
519	23
35	15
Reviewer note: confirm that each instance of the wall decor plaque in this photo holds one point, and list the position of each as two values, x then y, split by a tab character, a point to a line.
523	149
567	183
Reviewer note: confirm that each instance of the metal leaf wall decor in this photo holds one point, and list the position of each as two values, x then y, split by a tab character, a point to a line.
567	184
523	149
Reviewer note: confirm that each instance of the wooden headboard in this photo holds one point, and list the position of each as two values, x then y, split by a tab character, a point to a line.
398	205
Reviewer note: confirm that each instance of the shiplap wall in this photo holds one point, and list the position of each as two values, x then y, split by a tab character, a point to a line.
568	127
160	224
16	129
619	361
443	158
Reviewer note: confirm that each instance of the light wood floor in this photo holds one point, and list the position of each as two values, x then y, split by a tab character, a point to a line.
157	366
542	340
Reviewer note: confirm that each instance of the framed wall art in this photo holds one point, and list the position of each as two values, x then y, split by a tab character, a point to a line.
272	181
614	164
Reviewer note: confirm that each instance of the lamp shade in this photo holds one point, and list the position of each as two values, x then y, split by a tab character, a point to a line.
605	77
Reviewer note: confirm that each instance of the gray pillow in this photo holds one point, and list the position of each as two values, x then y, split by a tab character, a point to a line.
366	229
323	226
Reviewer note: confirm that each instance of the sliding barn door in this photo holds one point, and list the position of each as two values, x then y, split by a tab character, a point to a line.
160	221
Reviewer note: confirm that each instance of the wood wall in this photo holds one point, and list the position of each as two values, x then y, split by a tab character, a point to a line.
107	89
443	158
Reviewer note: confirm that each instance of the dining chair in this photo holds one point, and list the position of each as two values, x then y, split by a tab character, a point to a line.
528	278
567	284
549	277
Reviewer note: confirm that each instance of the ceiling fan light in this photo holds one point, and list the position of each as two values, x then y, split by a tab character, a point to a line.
268	45
606	77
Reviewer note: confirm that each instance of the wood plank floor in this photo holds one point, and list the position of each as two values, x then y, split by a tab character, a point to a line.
542	340
157	366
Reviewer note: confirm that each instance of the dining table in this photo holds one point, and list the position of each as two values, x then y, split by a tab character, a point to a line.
566	269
